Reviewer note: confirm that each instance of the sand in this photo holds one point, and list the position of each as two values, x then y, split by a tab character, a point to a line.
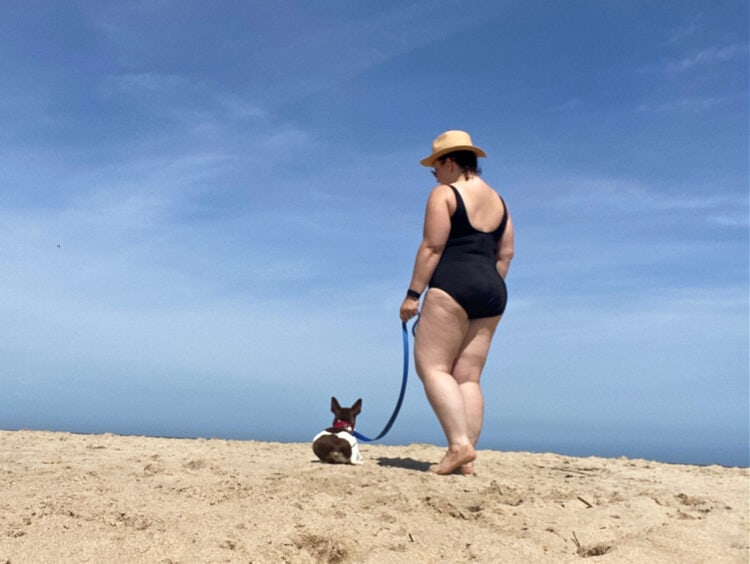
107	498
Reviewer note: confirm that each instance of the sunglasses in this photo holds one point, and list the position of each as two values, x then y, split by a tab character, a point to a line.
434	170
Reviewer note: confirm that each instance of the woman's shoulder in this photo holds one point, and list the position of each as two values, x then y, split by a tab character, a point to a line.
490	192
443	197
442	191
477	190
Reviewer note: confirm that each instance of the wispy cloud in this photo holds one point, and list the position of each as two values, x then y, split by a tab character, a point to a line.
695	80
693	25
569	105
739	219
272	69
707	57
622	194
690	104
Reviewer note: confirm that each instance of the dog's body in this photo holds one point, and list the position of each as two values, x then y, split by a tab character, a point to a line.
337	444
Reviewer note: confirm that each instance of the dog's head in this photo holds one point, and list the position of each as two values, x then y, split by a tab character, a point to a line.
345	414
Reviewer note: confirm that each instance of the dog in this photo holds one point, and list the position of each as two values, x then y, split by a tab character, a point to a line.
337	444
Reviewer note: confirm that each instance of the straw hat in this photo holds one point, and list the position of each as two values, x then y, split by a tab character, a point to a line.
450	141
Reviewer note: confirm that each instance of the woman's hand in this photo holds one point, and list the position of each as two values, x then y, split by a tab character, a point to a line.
409	308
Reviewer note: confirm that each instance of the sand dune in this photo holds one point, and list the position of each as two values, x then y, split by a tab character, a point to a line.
106	498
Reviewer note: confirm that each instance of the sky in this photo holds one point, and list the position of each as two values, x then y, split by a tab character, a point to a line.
209	214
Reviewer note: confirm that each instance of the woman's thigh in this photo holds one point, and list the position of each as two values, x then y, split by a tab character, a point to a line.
474	349
441	330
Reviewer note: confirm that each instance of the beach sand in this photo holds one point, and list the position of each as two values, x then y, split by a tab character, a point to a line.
107	498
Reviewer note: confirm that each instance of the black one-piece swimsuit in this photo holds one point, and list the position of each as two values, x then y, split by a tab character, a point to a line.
467	269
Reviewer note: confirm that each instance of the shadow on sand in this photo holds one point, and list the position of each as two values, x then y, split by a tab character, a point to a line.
405	463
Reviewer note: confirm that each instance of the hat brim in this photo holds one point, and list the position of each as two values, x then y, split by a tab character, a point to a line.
429	161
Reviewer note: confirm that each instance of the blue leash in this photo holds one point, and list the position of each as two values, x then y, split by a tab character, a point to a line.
388	425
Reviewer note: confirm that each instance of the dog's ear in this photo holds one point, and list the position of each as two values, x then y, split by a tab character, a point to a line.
335	407
357	407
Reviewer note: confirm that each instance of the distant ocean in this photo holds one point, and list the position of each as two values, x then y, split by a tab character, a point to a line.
698	448
732	455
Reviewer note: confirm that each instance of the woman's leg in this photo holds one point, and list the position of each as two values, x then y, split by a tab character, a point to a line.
441	332
467	372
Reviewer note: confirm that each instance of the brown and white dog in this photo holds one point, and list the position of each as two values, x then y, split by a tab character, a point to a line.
337	444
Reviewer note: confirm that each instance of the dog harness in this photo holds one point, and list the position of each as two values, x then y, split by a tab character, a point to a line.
356	457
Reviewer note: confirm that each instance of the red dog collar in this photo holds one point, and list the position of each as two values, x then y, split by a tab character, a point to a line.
341	424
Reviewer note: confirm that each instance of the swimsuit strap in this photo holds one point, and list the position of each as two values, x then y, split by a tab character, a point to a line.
460	206
460	224
462	217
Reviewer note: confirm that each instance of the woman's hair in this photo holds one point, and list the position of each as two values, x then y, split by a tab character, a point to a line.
466	161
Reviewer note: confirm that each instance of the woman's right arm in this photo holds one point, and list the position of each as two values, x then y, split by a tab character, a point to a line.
437	226
505	249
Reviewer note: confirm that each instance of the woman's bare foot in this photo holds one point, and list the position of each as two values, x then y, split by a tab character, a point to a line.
456	457
467	469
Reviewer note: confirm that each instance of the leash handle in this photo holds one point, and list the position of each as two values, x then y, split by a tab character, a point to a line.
401	395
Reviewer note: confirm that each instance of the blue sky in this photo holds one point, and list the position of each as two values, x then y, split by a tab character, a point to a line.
209	213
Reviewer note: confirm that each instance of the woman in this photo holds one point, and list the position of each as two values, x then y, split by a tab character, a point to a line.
464	257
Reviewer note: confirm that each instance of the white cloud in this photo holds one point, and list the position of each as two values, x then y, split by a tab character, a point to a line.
237	108
319	49
603	193
678	34
688	104
737	219
147	85
707	57
572	104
